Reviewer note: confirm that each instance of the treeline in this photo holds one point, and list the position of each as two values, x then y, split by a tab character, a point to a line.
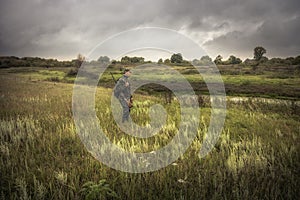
258	59
13	61
175	59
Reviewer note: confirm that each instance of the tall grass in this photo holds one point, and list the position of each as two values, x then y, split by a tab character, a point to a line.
256	157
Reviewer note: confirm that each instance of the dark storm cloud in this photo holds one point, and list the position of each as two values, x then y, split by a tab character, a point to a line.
236	27
65	28
61	29
276	29
279	37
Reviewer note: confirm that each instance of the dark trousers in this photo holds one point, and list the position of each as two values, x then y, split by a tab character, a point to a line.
126	109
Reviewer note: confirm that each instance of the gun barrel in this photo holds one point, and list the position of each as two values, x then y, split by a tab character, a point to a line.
113	77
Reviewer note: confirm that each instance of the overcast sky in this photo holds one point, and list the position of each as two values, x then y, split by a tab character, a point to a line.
63	28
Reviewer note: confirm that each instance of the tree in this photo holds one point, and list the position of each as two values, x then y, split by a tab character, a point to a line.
103	59
249	61
137	60
234	60
297	60
176	58
80	59
259	52
263	59
196	62
160	61
218	60
128	60
125	60
290	60
205	60
167	61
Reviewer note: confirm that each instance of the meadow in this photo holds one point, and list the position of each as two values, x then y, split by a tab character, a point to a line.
42	157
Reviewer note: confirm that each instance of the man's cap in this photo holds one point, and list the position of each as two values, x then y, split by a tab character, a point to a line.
126	70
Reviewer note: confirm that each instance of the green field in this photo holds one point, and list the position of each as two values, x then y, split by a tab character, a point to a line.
42	157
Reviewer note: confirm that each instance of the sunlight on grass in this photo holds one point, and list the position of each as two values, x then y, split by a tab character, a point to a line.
42	157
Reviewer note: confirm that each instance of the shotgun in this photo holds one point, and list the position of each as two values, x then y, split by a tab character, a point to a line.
113	78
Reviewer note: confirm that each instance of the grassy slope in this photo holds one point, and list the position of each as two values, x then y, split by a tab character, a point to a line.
42	156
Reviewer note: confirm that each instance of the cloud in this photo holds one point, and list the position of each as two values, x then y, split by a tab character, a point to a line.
278	36
62	29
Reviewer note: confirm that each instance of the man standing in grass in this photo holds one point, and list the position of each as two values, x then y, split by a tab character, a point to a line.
122	92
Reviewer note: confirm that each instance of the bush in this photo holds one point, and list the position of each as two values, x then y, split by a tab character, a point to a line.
53	79
72	72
